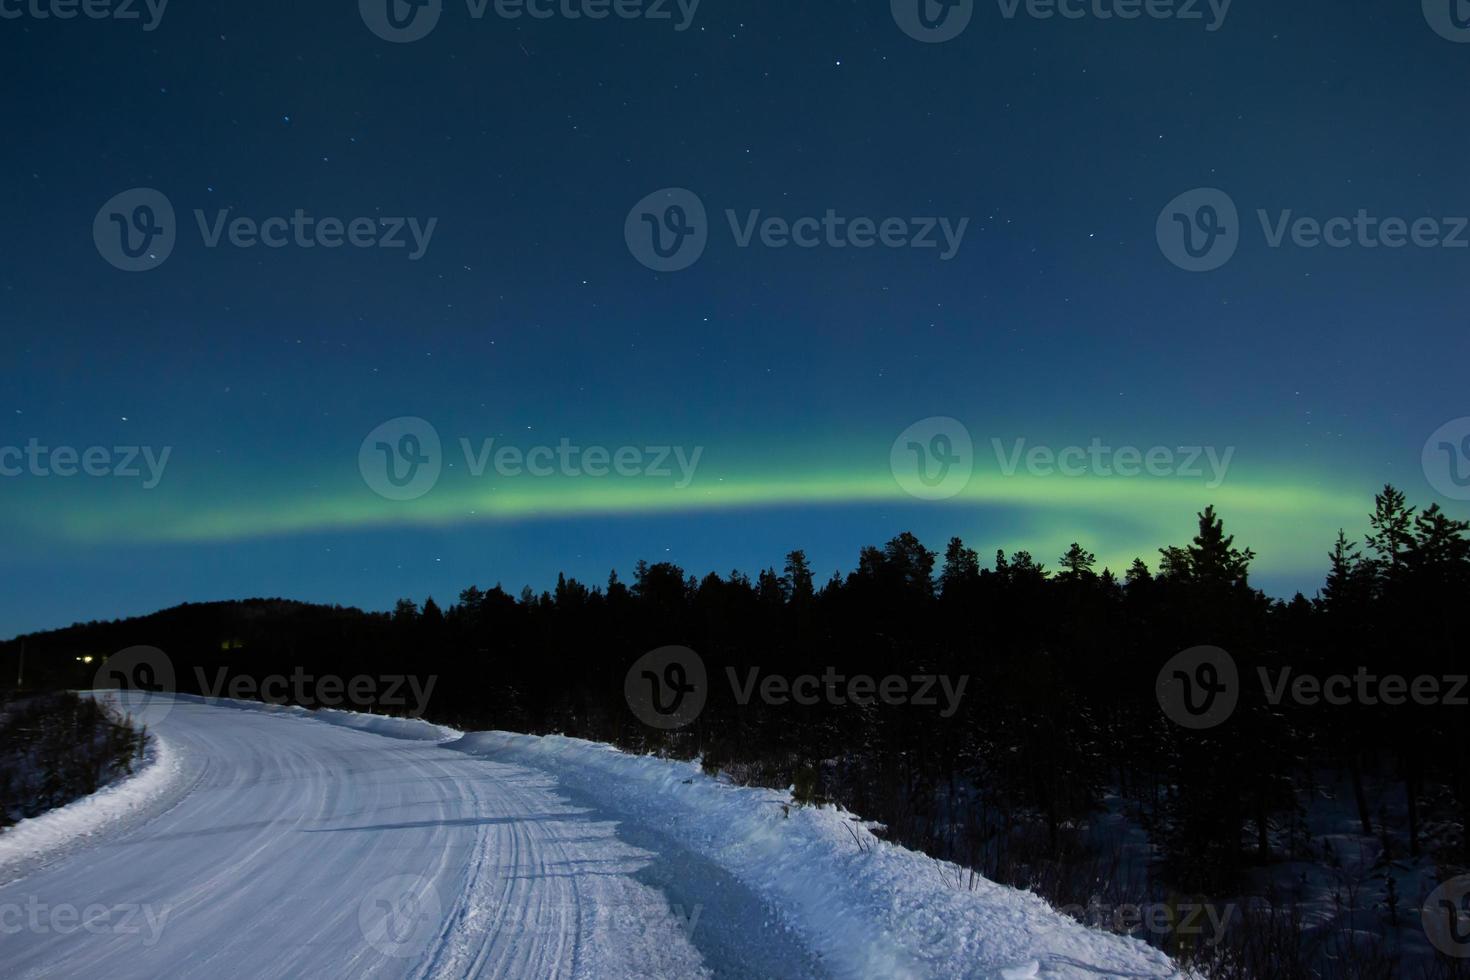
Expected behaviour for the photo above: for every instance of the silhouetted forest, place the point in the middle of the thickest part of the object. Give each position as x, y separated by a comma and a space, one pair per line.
1059, 718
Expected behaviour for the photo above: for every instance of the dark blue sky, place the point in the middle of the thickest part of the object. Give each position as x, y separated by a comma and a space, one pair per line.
1059, 319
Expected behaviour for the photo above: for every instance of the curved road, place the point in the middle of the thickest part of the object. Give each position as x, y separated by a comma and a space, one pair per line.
288, 847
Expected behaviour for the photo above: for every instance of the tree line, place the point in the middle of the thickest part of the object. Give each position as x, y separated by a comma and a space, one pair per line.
1060, 709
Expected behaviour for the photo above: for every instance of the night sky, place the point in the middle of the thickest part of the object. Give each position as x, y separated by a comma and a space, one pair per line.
525, 144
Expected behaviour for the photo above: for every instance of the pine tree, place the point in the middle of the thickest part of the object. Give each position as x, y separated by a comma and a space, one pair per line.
1077, 563
472, 600
1213, 557
961, 567
1138, 574
1392, 524
1174, 564
770, 589
912, 563
1350, 578
799, 578
1438, 543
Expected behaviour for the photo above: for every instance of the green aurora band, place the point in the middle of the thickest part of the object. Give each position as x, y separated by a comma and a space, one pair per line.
1290, 523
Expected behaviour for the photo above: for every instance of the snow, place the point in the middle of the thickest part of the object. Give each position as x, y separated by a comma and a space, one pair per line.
868, 907
33, 841
407, 728
279, 842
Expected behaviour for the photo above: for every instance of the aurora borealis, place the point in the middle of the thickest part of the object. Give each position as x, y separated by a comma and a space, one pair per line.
525, 319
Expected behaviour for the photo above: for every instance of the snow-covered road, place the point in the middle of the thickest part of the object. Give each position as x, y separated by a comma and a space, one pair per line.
291, 848
272, 844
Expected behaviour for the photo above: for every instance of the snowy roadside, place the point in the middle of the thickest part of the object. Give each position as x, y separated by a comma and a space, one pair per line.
868, 907
29, 843
413, 729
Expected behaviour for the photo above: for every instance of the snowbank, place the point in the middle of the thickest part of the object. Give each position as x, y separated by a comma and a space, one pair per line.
31, 841
868, 907
414, 729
